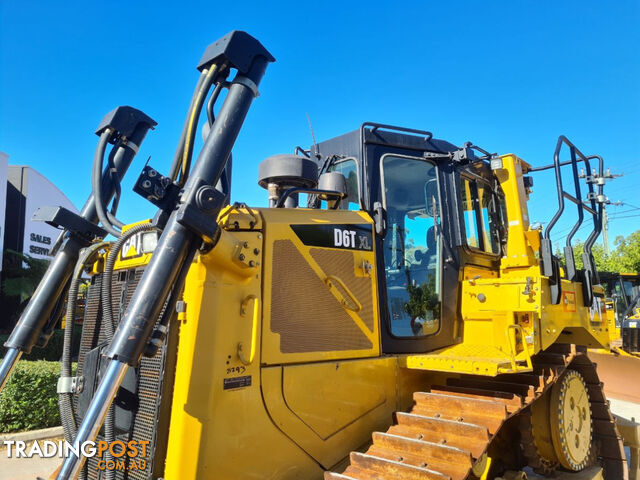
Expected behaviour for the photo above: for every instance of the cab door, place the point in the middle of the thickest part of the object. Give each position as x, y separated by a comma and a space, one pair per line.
419, 284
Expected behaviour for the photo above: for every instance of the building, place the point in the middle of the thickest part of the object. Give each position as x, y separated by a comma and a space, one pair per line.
26, 191
22, 191
4, 165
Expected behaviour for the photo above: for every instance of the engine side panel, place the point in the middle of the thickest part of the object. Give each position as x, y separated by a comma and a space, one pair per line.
219, 425
320, 289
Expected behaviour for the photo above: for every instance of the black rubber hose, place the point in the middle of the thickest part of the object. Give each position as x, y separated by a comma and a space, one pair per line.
192, 122
107, 307
177, 158
96, 183
64, 399
108, 322
211, 116
115, 181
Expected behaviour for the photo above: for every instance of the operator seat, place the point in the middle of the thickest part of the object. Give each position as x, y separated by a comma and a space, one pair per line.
427, 258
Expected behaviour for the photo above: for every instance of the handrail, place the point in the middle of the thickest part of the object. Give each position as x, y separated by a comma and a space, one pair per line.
512, 349
562, 140
375, 126
594, 207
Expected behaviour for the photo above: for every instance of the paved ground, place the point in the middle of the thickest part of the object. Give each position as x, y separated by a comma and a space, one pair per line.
625, 409
26, 468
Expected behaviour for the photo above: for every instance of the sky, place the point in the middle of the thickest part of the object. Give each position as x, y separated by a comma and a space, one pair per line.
510, 76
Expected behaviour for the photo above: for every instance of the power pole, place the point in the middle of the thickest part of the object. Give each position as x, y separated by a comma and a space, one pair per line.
605, 230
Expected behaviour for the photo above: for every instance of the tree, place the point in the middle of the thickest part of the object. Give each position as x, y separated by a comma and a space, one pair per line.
22, 274
625, 257
628, 252
422, 299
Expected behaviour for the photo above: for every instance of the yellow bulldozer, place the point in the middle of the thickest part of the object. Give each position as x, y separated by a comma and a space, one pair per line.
623, 290
392, 314
620, 364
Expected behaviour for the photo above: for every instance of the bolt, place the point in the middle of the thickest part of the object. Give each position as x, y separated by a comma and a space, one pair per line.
252, 263
245, 244
241, 257
152, 173
146, 184
256, 251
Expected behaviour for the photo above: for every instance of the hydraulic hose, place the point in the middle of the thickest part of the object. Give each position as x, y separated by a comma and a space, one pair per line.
107, 307
192, 122
108, 321
64, 398
177, 158
108, 217
96, 183
211, 117
115, 181
176, 246
41, 309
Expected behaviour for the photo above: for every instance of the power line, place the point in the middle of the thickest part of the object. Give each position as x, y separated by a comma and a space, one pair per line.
629, 205
625, 211
625, 216
579, 229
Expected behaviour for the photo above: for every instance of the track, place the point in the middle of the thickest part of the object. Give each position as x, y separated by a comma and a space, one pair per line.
452, 429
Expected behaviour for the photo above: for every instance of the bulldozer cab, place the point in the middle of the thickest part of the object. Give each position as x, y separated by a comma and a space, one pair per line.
622, 288
436, 207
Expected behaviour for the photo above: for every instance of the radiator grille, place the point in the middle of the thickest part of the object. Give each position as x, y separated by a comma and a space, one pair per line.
151, 375
303, 311
342, 264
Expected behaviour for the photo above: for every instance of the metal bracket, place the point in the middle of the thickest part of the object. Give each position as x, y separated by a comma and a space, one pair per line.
70, 385
200, 209
181, 306
158, 189
60, 217
250, 84
238, 49
123, 121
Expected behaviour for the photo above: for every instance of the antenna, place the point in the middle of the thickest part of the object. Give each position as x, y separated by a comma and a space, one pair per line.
313, 137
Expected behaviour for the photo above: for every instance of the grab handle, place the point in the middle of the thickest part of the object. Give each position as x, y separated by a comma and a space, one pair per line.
356, 304
254, 330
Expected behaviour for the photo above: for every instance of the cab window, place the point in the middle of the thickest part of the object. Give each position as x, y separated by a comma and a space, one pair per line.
349, 169
412, 245
483, 214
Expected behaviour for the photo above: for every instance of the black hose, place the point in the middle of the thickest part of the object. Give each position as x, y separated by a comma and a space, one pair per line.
108, 323
211, 116
115, 181
96, 183
66, 411
192, 122
107, 307
177, 158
